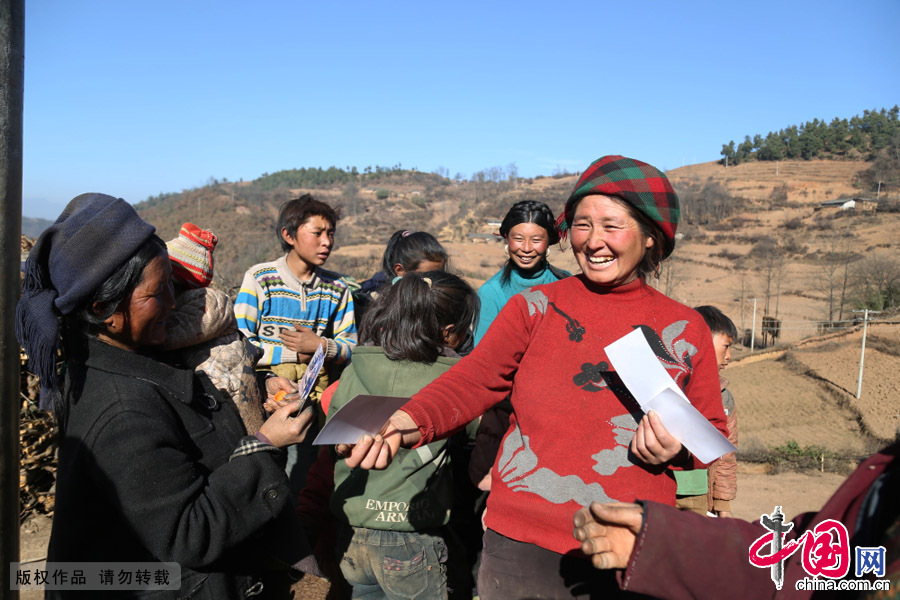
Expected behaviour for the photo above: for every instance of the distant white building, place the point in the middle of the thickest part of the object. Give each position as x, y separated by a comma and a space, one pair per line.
484, 238
848, 204
842, 203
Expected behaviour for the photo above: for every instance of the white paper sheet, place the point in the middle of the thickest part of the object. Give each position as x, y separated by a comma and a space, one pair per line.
362, 415
653, 388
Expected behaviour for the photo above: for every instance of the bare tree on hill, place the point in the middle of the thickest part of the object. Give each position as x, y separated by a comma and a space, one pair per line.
877, 282
512, 174
769, 259
832, 274
668, 275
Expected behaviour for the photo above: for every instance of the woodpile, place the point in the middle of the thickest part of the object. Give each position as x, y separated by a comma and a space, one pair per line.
38, 441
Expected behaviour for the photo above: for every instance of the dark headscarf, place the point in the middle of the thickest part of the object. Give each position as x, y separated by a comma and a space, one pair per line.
94, 236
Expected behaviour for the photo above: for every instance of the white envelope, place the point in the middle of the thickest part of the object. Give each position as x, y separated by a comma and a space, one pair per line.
362, 415
653, 388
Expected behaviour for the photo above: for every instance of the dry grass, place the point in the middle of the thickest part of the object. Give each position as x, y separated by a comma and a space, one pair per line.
807, 181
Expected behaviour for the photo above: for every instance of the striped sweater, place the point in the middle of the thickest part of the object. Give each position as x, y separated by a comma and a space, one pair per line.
272, 299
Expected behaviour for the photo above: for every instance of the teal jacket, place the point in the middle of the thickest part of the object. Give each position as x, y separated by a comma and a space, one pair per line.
416, 491
495, 293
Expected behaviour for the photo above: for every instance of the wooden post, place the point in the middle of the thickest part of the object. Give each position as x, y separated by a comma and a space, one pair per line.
753, 328
862, 352
12, 65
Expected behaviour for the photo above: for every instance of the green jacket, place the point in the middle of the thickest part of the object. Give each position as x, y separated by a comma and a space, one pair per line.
416, 491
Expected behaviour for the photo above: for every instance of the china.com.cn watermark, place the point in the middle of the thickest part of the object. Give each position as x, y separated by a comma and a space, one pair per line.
825, 556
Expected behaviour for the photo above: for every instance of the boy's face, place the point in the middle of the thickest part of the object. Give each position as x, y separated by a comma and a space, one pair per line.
314, 240
722, 343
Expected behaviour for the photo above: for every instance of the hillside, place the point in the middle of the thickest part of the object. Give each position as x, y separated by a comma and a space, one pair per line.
806, 181
243, 216
772, 234
32, 227
755, 230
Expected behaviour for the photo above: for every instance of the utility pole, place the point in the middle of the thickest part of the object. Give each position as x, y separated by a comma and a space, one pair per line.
753, 328
862, 352
12, 85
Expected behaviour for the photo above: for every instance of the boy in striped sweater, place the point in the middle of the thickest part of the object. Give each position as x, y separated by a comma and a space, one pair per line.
291, 306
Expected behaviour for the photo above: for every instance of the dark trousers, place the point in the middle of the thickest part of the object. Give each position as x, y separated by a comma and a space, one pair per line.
513, 570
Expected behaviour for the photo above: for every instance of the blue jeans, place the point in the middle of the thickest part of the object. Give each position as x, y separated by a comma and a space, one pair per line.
393, 565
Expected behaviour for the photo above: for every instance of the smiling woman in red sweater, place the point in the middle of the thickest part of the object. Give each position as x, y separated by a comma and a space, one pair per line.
576, 435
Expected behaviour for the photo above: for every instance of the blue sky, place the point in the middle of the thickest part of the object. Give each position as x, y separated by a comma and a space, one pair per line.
134, 98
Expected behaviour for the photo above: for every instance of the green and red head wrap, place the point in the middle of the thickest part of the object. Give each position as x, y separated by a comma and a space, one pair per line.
641, 185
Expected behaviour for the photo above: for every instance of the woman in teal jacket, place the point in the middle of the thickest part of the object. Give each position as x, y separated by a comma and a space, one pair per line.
529, 230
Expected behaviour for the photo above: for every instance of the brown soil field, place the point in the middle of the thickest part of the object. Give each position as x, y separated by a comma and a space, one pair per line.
813, 180
796, 492
808, 394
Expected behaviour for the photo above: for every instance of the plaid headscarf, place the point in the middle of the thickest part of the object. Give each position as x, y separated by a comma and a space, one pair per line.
643, 186
91, 239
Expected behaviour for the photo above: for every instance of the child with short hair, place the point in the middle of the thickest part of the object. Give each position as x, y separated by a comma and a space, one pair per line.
392, 536
291, 306
710, 491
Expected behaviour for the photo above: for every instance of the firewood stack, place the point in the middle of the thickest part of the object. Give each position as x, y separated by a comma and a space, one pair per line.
38, 442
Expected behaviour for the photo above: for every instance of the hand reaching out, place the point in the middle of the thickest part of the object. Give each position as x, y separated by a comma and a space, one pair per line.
607, 532
377, 452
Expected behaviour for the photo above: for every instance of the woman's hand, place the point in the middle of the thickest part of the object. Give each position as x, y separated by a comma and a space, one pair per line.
273, 386
607, 532
378, 452
652, 442
284, 430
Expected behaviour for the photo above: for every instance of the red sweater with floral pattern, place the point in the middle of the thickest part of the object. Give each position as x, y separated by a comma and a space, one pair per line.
568, 439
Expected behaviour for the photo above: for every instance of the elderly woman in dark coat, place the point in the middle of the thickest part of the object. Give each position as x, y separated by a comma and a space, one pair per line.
154, 462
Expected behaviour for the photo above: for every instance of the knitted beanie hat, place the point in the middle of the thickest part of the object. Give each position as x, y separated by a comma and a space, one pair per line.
191, 256
641, 185
90, 240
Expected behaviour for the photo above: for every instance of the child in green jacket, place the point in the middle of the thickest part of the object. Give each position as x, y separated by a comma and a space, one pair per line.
392, 539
